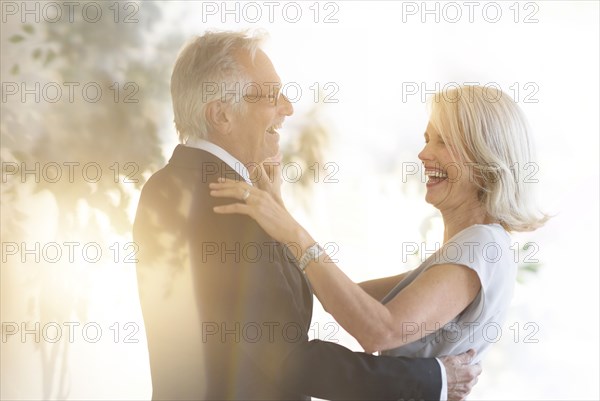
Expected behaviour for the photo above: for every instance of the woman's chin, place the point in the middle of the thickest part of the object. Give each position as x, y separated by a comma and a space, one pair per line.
432, 199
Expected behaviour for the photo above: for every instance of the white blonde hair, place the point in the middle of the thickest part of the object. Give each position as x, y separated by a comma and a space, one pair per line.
205, 66
487, 130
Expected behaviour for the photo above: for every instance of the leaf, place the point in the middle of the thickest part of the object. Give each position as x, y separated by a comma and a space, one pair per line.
16, 38
50, 55
28, 28
15, 69
20, 155
37, 53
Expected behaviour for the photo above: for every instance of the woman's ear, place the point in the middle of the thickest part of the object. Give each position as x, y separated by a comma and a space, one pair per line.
218, 115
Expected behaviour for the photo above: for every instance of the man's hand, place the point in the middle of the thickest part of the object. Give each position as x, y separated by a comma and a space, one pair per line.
460, 374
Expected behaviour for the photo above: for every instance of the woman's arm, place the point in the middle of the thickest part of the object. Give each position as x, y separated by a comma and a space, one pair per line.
380, 287
429, 302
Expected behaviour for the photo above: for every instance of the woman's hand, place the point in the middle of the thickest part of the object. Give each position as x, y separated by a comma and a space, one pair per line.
262, 206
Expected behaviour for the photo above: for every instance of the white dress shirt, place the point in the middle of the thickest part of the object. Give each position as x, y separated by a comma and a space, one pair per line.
222, 154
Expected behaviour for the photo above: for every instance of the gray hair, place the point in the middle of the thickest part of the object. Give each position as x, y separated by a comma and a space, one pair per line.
487, 129
207, 70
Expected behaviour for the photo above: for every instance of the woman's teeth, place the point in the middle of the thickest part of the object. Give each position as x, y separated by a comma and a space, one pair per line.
436, 176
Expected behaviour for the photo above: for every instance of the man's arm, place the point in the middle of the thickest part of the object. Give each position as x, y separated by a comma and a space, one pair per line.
308, 370
330, 371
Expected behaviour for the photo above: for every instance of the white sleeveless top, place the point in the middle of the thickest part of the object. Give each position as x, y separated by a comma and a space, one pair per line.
486, 250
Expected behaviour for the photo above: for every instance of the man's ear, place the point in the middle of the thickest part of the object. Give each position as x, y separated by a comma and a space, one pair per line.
218, 115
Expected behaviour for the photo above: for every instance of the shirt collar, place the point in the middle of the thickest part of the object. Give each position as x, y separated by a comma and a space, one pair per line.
222, 154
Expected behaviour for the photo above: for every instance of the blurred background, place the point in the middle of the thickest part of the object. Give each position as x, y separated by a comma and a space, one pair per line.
86, 118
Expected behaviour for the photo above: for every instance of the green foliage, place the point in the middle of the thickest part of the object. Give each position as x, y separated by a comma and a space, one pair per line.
306, 150
528, 266
16, 38
122, 127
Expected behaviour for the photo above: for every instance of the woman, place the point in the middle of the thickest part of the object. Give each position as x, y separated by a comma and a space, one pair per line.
475, 142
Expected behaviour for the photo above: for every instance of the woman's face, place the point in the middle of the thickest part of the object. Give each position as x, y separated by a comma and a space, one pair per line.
450, 184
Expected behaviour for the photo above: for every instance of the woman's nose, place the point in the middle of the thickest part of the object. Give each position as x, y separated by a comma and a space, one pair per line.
424, 154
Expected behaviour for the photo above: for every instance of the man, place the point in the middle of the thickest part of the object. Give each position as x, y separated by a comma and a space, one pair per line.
226, 309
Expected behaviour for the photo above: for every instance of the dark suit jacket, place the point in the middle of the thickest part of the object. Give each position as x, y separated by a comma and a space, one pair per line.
227, 311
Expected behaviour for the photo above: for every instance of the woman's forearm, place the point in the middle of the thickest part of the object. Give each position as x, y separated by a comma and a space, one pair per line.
364, 317
380, 287
447, 288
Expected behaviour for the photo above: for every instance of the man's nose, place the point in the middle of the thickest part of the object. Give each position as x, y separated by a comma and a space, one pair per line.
285, 106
